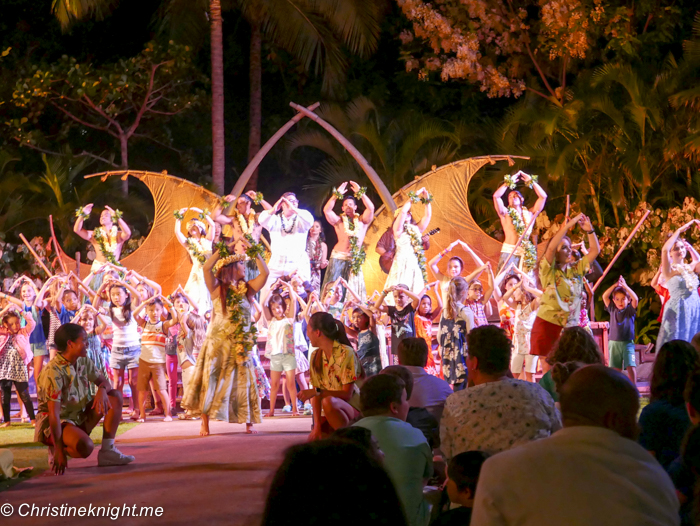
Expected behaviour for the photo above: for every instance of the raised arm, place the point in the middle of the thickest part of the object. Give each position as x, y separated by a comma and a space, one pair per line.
400, 219
501, 209
193, 304
12, 300
328, 212
607, 293
78, 226
124, 230
178, 228
559, 236
258, 282
143, 279
415, 299
427, 215
253, 195
379, 305
541, 194
634, 299
355, 297
438, 297
488, 289
81, 287
173, 313
594, 249
368, 215
433, 263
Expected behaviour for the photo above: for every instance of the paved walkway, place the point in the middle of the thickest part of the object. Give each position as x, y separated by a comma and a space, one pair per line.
220, 479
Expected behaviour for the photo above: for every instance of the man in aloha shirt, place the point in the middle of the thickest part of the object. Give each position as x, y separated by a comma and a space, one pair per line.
68, 412
495, 412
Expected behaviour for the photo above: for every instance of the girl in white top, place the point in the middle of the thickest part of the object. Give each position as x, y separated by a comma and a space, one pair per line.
126, 341
279, 314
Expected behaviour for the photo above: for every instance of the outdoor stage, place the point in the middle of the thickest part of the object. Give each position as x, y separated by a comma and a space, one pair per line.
220, 479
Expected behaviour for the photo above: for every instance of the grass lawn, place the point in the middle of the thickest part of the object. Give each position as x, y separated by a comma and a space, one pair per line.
19, 438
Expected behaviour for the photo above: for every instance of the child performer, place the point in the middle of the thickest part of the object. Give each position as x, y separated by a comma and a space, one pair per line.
560, 305
425, 317
317, 250
152, 358
261, 379
401, 314
504, 282
37, 341
364, 330
622, 310
198, 244
478, 298
455, 266
456, 322
94, 324
182, 346
15, 354
525, 299
126, 346
279, 314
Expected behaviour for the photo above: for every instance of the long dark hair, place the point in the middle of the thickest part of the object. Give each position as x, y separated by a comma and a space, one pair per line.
675, 362
126, 308
330, 328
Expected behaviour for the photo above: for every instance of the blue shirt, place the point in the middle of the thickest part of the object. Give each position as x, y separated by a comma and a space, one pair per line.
37, 335
621, 323
65, 315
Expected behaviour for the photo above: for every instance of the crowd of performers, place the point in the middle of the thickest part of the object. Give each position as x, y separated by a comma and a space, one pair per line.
116, 326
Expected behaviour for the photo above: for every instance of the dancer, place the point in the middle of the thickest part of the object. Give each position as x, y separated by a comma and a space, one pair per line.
317, 250
425, 317
348, 255
504, 283
515, 218
261, 379
198, 244
68, 413
94, 324
15, 354
456, 322
622, 310
455, 267
29, 294
681, 319
401, 314
408, 267
107, 239
478, 299
560, 304
223, 387
288, 227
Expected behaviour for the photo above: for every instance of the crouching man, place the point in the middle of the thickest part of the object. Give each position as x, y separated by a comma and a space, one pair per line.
67, 410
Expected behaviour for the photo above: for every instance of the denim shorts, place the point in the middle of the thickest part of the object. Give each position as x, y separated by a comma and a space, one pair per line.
39, 349
125, 357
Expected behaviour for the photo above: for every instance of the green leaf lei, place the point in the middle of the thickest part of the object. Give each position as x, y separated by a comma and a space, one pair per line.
510, 181
97, 236
178, 215
417, 243
361, 192
204, 214
199, 256
80, 212
117, 215
244, 333
223, 249
255, 249
357, 256
337, 193
425, 200
223, 203
258, 198
530, 259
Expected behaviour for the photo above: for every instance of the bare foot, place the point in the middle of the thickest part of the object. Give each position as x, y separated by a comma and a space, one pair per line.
270, 414
204, 429
250, 430
6, 424
295, 413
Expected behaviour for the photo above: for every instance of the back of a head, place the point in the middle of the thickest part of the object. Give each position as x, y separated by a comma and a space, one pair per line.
691, 393
675, 362
456, 292
491, 347
464, 469
360, 436
413, 352
404, 374
695, 341
379, 392
576, 345
366, 496
594, 394
561, 372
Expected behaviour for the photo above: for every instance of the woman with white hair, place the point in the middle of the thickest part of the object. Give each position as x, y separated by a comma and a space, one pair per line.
198, 244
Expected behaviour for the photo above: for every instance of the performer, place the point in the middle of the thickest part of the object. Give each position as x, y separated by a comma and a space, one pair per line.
348, 255
224, 385
107, 239
515, 218
288, 227
409, 266
317, 250
198, 244
681, 317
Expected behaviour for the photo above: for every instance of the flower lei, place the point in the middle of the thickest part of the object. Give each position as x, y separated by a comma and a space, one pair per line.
107, 251
196, 249
242, 337
247, 225
178, 215
417, 243
425, 200
530, 258
80, 212
357, 250
690, 277
511, 181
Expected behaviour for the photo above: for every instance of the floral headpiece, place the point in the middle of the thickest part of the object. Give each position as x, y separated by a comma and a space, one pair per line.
198, 224
235, 258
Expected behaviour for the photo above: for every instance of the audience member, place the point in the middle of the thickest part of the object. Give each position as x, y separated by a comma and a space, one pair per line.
665, 421
407, 455
495, 412
574, 345
590, 472
428, 391
362, 437
362, 493
462, 476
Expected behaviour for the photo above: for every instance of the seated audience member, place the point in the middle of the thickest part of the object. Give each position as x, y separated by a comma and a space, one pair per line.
362, 437
363, 495
428, 391
418, 417
407, 455
664, 421
462, 476
591, 472
574, 345
67, 410
495, 412
561, 372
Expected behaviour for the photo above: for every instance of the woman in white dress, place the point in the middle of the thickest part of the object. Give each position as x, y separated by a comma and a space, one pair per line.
409, 266
198, 244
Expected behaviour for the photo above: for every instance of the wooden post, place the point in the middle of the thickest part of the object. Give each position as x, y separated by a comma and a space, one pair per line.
36, 256
56, 247
77, 264
622, 248
568, 209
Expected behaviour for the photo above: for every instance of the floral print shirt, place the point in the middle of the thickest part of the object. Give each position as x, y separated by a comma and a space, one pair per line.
340, 369
496, 416
560, 303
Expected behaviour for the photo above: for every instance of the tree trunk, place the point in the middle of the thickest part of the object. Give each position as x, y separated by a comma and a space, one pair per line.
217, 95
596, 205
124, 146
255, 133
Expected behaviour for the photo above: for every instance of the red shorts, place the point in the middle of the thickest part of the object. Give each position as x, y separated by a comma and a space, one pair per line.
543, 337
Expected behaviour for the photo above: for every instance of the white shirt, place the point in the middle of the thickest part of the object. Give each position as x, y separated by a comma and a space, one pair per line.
580, 476
288, 248
496, 416
428, 390
124, 335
